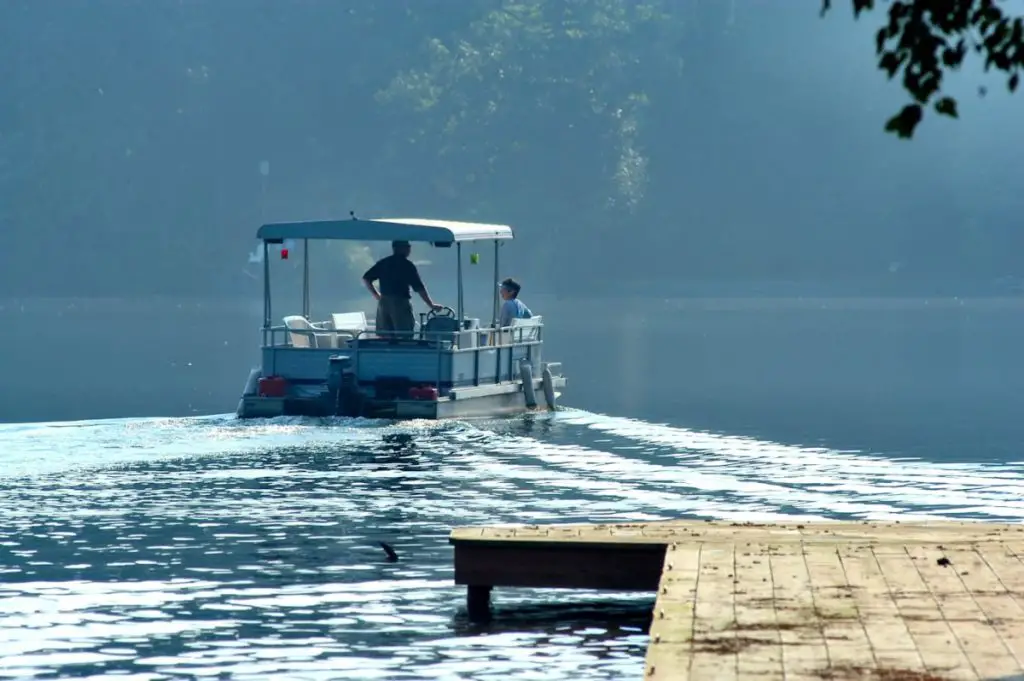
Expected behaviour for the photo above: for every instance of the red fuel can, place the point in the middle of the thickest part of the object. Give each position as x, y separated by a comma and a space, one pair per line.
273, 386
423, 393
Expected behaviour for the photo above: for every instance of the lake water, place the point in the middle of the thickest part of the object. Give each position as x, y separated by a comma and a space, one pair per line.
190, 545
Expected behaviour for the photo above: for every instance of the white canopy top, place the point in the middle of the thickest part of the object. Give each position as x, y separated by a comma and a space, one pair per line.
385, 229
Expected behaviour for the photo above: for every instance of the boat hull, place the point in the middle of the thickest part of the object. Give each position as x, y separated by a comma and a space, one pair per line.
478, 406
500, 399
494, 405
378, 378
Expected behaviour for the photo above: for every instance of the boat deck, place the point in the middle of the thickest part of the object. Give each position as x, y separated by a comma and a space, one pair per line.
808, 601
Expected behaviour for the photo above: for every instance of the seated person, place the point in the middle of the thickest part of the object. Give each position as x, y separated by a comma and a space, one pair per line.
512, 308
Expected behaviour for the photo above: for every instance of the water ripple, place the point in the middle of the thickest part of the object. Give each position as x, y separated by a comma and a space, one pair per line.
169, 548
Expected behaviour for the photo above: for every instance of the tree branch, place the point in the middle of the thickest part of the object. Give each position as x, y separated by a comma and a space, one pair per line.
924, 39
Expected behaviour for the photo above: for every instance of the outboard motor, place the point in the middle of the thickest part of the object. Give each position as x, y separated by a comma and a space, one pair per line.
342, 390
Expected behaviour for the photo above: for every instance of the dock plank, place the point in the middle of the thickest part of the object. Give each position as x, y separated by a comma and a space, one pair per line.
893, 601
827, 532
845, 633
919, 608
803, 644
714, 636
891, 640
978, 638
756, 619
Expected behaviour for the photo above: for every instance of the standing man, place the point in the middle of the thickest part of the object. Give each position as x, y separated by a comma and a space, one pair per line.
397, 274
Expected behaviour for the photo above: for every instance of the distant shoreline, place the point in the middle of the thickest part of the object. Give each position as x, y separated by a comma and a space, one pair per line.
254, 304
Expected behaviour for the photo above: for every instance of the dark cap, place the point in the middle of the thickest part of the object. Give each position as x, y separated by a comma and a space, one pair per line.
400, 245
512, 285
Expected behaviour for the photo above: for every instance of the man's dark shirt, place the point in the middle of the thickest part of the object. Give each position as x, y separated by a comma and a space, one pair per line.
397, 275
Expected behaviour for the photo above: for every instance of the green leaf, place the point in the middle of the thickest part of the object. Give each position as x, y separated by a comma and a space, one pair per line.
947, 107
903, 123
1014, 81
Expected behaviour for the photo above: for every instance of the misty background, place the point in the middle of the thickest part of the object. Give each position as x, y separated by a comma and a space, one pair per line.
646, 152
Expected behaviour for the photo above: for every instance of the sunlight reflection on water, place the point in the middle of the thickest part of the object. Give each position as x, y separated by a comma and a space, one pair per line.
159, 548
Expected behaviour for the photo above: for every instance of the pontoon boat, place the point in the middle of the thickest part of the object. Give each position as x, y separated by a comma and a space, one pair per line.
448, 367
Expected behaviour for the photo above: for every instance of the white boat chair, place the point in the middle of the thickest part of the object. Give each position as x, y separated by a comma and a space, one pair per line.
520, 331
303, 334
524, 330
350, 323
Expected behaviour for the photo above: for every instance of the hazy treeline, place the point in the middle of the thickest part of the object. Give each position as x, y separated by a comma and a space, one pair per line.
626, 140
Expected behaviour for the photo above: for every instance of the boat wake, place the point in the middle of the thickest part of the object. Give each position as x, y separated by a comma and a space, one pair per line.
566, 466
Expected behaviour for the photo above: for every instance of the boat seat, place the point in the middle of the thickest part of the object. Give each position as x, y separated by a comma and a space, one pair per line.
350, 322
303, 334
526, 329
520, 331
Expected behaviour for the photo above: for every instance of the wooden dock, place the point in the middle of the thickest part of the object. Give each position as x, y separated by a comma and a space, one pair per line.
810, 601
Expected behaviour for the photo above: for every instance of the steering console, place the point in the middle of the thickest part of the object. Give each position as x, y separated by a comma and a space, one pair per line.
444, 313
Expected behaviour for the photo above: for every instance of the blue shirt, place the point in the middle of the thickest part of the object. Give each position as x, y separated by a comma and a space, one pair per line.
513, 309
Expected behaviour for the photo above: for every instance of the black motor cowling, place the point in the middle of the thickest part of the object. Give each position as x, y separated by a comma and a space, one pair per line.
342, 388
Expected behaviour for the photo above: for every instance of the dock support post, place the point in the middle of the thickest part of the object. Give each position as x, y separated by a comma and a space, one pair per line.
478, 602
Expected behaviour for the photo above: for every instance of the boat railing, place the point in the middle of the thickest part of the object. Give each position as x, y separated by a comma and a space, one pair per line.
509, 344
320, 335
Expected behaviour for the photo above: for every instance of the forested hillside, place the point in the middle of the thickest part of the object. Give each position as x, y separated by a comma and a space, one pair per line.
627, 140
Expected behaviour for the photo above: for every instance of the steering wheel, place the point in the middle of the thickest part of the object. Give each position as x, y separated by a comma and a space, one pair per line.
445, 311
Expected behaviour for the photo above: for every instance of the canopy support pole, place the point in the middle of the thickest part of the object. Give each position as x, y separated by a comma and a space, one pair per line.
497, 273
458, 253
266, 286
305, 278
